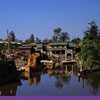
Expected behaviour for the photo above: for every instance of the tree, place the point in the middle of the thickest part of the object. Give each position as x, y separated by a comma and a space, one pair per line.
57, 33
46, 41
31, 39
27, 40
38, 40
76, 40
90, 47
54, 38
1, 39
12, 36
64, 37
92, 32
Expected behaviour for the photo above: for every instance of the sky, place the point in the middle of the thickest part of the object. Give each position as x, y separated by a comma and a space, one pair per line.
41, 17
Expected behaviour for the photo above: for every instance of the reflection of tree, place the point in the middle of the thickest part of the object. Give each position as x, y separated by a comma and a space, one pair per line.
94, 81
59, 84
10, 89
61, 78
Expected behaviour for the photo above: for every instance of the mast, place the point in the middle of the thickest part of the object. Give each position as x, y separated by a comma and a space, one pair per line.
8, 51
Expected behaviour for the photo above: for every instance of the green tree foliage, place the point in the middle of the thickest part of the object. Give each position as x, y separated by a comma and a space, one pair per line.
1, 39
60, 36
54, 38
30, 40
12, 36
76, 40
90, 47
38, 40
92, 32
64, 37
57, 33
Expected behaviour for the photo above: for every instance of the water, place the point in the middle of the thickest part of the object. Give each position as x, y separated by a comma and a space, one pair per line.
54, 83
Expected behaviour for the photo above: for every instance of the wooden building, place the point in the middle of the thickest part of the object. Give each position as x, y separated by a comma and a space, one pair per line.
65, 51
26, 49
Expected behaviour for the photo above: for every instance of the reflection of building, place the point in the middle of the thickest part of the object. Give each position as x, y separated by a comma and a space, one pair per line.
33, 78
10, 89
61, 77
62, 50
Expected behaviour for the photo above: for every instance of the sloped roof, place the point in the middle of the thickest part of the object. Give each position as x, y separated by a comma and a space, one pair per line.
59, 44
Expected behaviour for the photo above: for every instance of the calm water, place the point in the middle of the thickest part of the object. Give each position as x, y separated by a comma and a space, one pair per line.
54, 83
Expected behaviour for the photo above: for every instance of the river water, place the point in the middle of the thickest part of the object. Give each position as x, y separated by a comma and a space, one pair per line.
59, 82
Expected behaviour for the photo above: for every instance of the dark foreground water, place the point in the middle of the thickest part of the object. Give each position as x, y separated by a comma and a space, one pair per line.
54, 83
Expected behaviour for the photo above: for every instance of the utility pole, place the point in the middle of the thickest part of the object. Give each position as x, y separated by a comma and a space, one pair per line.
8, 51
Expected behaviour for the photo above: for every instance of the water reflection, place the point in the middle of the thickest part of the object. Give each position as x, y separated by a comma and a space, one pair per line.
93, 80
62, 81
10, 89
79, 79
62, 75
33, 78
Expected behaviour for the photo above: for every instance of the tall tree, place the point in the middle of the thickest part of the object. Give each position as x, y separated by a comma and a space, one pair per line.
64, 37
12, 36
90, 46
31, 39
57, 33
92, 31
